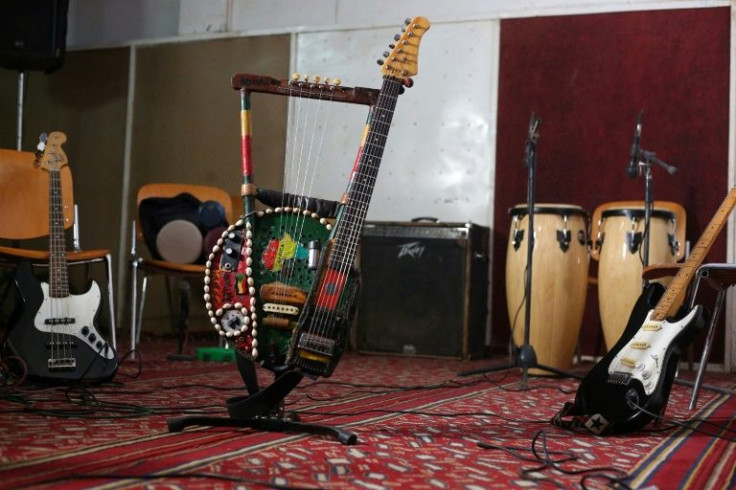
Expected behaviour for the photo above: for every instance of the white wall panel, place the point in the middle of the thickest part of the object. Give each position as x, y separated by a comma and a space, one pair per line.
439, 157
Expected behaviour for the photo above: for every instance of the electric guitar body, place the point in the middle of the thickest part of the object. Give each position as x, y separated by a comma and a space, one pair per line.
48, 356
617, 396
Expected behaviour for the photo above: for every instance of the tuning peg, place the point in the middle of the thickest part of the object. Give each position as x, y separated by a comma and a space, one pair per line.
380, 62
392, 46
397, 37
407, 21
385, 54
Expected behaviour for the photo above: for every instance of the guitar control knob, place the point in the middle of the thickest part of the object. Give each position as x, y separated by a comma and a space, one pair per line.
85, 331
646, 374
92, 337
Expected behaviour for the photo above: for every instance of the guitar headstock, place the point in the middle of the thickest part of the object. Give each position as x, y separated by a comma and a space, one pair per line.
53, 157
401, 62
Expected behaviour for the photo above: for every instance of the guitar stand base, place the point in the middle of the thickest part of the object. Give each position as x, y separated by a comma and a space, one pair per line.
262, 409
265, 424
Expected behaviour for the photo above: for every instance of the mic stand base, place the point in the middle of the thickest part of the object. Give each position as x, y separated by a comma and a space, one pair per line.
526, 359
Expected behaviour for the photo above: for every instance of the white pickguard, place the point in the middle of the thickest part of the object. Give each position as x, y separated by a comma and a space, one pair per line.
642, 357
81, 309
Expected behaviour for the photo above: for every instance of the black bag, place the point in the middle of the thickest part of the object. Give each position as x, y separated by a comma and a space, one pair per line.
179, 213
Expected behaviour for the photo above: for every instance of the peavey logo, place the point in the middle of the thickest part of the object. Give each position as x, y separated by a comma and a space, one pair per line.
413, 250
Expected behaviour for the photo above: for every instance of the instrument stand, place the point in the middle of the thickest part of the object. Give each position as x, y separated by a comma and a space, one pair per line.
263, 409
526, 358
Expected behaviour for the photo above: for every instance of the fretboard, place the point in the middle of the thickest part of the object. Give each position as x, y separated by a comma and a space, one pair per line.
672, 298
58, 276
360, 190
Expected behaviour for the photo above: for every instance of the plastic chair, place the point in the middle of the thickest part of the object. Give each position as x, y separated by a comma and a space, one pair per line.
25, 206
150, 266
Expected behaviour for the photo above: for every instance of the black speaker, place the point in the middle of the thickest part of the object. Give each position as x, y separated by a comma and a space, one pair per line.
33, 34
424, 289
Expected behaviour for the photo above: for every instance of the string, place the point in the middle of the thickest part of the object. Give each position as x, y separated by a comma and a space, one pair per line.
305, 174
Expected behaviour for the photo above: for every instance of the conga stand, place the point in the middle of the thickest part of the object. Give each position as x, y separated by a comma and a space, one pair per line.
263, 409
526, 358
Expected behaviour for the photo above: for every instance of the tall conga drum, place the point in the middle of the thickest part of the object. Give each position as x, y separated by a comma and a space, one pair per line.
559, 280
617, 229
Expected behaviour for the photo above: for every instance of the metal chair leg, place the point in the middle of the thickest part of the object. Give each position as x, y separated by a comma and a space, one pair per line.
706, 348
111, 302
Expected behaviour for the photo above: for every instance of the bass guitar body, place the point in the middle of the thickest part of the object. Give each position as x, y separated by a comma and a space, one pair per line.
56, 340
258, 281
631, 384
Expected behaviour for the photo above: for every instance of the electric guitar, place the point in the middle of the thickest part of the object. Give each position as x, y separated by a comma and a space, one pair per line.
280, 283
631, 384
55, 333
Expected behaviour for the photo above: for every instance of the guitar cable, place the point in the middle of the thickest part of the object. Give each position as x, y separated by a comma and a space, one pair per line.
689, 424
612, 475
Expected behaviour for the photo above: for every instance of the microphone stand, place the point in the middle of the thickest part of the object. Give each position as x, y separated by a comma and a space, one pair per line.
645, 159
526, 357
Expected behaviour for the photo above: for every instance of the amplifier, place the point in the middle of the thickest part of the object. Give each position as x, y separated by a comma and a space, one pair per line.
424, 289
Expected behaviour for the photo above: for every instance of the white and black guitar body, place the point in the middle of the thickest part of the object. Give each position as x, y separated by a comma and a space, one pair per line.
55, 340
633, 380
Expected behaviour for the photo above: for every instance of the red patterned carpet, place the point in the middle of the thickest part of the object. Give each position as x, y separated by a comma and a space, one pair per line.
418, 425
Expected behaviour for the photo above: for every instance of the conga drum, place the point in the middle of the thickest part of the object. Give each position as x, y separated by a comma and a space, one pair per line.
559, 280
618, 232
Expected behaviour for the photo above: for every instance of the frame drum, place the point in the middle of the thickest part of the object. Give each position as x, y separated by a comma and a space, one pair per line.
618, 229
559, 280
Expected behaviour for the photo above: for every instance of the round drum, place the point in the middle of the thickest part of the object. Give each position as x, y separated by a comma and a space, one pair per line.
559, 280
618, 231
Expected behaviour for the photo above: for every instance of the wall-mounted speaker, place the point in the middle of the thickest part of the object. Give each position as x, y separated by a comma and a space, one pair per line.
424, 289
33, 34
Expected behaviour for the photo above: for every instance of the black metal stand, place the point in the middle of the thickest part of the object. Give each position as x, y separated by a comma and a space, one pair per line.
641, 164
526, 358
263, 409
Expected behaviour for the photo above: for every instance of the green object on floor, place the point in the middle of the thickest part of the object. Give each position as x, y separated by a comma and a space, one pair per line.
217, 354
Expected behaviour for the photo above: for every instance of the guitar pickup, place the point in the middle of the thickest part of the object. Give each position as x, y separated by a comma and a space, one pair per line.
59, 321
280, 308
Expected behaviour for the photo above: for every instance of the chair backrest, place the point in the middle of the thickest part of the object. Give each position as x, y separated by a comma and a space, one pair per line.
24, 196
201, 192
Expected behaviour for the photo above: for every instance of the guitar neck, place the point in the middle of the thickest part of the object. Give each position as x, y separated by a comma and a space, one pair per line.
360, 189
672, 298
58, 276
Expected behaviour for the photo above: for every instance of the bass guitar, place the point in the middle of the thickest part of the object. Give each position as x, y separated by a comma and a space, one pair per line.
280, 283
631, 384
55, 333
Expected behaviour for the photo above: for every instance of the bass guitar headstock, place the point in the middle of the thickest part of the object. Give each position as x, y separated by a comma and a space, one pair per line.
53, 157
401, 61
